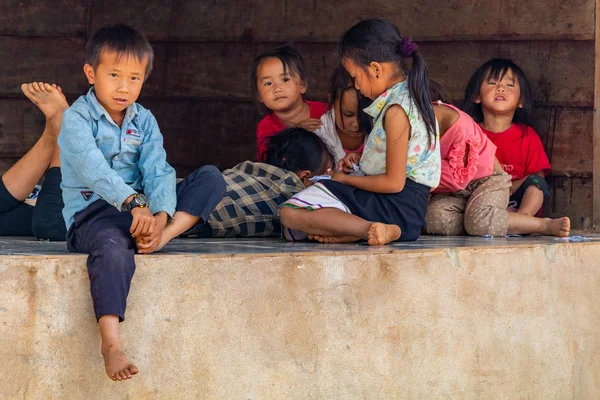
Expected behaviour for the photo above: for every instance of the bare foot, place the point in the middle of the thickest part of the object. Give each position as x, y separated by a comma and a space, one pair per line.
49, 98
560, 227
333, 239
118, 367
380, 234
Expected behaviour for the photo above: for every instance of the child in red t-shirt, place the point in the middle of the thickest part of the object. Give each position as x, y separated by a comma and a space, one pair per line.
499, 98
280, 83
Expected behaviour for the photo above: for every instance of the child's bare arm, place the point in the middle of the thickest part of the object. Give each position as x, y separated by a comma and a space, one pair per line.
397, 128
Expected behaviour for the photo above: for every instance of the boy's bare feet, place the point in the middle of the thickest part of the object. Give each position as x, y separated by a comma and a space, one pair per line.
48, 98
380, 234
333, 239
560, 227
118, 367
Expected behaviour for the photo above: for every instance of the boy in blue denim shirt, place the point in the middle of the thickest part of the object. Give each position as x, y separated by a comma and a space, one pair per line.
117, 185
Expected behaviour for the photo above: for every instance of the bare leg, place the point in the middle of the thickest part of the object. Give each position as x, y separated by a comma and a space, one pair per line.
116, 362
532, 201
334, 223
523, 224
25, 174
180, 223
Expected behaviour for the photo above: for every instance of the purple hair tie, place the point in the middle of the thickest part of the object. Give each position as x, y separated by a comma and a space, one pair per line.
407, 47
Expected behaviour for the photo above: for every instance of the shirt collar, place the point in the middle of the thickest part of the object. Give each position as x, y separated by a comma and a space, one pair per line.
98, 111
379, 103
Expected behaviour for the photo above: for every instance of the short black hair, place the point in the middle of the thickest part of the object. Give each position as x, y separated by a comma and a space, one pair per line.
296, 149
123, 40
496, 68
293, 64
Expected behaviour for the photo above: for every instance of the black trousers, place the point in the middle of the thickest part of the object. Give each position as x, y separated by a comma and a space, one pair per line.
45, 220
102, 231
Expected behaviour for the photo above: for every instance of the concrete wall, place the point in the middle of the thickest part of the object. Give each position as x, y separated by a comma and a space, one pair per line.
503, 323
201, 93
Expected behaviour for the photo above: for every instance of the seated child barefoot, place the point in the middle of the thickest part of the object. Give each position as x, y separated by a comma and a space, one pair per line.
473, 194
280, 83
244, 200
111, 150
499, 98
17, 216
344, 126
401, 158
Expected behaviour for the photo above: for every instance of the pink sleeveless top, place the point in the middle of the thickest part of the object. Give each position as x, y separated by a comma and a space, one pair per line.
464, 133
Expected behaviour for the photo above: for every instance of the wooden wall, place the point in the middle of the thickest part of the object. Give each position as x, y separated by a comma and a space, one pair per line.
201, 94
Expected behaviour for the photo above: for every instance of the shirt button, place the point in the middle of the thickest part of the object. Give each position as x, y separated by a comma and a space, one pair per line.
116, 158
115, 204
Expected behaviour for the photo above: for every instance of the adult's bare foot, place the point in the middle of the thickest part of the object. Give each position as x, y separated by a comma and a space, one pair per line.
48, 98
380, 234
334, 239
560, 227
118, 367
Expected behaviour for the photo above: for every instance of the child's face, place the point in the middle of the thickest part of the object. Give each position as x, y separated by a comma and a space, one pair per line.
276, 90
500, 96
364, 81
117, 83
347, 120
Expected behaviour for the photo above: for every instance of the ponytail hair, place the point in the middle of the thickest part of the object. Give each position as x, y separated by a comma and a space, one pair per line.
296, 149
380, 41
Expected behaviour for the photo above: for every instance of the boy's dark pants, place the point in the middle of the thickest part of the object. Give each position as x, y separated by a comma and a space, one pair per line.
103, 232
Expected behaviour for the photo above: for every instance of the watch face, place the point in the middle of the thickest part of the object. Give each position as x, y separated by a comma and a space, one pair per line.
142, 200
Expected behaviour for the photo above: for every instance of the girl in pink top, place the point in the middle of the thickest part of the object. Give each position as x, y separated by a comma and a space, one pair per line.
474, 189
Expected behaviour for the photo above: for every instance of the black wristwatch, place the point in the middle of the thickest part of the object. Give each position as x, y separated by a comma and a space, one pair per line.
139, 200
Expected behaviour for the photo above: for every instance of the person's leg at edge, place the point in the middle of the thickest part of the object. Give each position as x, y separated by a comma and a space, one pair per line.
25, 173
333, 223
533, 199
116, 362
197, 196
519, 224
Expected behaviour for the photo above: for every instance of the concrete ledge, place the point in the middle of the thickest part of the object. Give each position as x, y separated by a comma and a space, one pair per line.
467, 323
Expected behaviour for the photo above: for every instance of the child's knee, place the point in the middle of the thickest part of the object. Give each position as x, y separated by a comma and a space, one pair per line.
442, 222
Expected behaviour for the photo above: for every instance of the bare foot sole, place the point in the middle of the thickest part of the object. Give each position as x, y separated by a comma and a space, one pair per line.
118, 367
560, 227
49, 98
334, 239
380, 234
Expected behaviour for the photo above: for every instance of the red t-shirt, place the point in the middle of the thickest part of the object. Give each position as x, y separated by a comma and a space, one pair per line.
271, 124
520, 151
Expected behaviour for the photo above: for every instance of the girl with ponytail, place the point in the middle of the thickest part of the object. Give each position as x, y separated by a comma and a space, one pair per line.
401, 158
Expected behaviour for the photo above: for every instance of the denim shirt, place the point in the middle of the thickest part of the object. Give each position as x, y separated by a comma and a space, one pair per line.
99, 160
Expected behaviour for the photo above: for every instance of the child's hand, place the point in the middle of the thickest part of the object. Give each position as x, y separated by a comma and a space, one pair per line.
148, 244
143, 222
346, 163
310, 124
336, 175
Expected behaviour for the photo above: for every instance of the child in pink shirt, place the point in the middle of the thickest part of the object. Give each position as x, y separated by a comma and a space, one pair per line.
474, 189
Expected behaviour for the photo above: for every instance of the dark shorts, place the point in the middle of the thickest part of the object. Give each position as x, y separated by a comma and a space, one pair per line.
406, 209
45, 220
532, 180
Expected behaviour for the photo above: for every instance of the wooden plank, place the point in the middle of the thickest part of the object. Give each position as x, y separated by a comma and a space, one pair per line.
21, 124
325, 21
568, 141
43, 18
149, 16
199, 133
58, 60
571, 197
596, 129
560, 73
